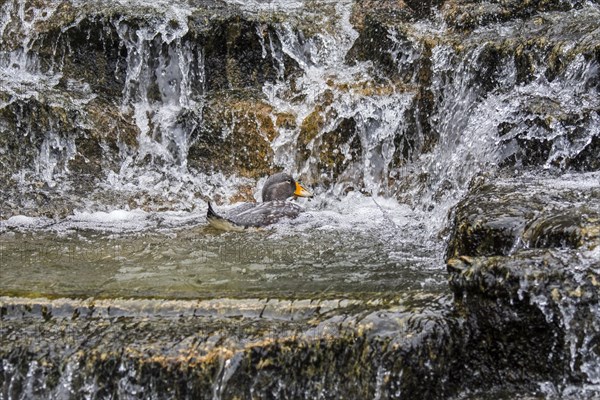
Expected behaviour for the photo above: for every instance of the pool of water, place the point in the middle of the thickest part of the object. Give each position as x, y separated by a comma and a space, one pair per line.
360, 247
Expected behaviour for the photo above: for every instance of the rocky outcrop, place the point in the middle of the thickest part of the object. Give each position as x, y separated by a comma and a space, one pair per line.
194, 350
503, 217
523, 264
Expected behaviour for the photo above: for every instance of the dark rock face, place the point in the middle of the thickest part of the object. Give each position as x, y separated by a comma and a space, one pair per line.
523, 257
197, 356
89, 51
508, 344
503, 218
239, 54
538, 292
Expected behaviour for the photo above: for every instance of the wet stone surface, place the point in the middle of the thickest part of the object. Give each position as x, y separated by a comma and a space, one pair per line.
191, 351
524, 257
505, 216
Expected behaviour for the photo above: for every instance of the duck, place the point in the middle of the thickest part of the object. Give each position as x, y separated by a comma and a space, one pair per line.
274, 206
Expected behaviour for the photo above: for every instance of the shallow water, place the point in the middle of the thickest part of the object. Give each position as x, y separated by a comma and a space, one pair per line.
357, 248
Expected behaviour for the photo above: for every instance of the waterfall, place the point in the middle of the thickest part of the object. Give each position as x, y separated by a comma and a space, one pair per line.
350, 125
346, 120
120, 120
159, 60
158, 89
24, 78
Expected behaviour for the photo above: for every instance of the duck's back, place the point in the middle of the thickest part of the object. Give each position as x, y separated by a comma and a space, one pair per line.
253, 215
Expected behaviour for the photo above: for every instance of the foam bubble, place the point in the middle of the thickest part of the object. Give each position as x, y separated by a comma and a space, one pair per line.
109, 217
24, 221
113, 221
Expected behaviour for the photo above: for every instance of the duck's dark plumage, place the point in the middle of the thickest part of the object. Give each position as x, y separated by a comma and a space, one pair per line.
274, 207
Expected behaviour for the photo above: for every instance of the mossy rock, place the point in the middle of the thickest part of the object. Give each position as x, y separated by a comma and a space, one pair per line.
285, 121
234, 135
388, 13
338, 149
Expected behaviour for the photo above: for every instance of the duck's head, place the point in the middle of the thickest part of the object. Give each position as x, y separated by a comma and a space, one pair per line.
282, 186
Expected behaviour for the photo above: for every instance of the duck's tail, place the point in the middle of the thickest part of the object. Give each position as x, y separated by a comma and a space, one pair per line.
220, 222
211, 214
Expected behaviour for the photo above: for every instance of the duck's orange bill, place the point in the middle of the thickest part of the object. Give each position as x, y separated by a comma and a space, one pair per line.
301, 192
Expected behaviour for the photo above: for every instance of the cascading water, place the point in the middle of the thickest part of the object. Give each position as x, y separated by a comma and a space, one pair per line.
158, 88
24, 78
337, 99
119, 121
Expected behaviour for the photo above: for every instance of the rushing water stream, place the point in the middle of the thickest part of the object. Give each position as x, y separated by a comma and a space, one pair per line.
120, 119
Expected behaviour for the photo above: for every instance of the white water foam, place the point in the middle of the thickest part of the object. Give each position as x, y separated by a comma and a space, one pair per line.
352, 95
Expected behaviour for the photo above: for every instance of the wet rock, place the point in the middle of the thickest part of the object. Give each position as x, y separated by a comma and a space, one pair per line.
234, 134
239, 54
503, 217
423, 9
377, 353
523, 257
374, 31
329, 143
365, 12
552, 294
54, 16
338, 149
236, 51
546, 131
87, 51
50, 141
470, 14
402, 59
534, 135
